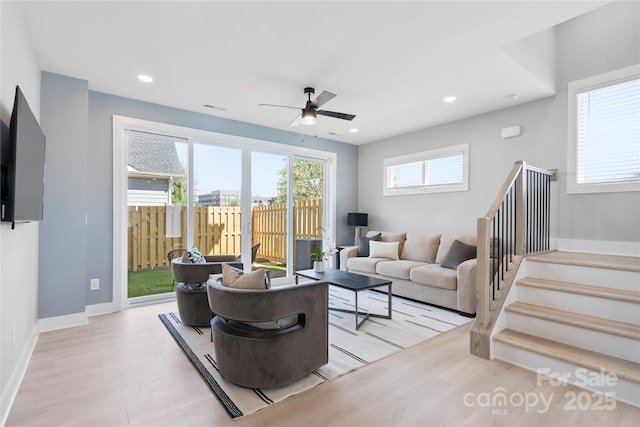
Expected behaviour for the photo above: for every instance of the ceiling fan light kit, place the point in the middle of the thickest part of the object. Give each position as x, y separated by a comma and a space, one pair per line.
310, 111
309, 116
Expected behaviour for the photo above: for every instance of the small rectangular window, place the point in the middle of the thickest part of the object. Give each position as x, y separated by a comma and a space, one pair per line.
440, 170
604, 133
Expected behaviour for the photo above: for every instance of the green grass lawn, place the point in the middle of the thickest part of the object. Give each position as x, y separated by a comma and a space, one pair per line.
159, 280
149, 282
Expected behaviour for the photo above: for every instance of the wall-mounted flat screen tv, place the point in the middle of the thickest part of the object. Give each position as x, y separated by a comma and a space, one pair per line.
22, 166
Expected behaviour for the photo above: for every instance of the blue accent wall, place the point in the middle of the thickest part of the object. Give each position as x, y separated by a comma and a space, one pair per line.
76, 238
63, 233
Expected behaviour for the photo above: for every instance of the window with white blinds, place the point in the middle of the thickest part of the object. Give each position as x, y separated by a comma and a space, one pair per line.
440, 170
604, 133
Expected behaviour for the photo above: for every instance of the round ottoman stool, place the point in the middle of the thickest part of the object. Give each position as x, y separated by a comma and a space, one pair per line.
193, 305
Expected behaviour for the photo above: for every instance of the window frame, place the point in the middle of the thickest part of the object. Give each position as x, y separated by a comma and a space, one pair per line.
573, 89
437, 153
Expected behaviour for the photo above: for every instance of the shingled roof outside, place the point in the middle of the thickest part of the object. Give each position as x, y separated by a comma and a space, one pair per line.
153, 156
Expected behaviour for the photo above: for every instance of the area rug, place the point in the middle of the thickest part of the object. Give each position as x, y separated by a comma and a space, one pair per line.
411, 323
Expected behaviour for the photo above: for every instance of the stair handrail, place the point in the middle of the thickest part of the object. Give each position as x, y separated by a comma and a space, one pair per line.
516, 224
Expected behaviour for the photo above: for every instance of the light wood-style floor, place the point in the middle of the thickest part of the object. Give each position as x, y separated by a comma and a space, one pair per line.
124, 369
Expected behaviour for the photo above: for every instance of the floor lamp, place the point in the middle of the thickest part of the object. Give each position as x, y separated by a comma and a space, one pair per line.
357, 220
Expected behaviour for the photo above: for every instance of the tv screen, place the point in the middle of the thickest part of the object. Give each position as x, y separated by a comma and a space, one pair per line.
23, 153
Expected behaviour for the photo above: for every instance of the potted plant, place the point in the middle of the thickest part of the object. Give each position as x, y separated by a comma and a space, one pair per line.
318, 256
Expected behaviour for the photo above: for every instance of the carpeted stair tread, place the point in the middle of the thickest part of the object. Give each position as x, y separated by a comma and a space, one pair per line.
588, 290
578, 356
576, 319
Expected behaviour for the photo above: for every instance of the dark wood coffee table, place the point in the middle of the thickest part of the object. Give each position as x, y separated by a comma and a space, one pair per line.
353, 282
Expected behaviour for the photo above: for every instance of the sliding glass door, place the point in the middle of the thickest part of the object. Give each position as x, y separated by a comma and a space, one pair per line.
156, 200
287, 211
307, 189
216, 198
266, 204
269, 201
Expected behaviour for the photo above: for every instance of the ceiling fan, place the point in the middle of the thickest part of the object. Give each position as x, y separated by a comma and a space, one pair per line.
310, 111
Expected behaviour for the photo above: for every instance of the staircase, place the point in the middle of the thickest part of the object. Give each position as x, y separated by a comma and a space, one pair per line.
577, 317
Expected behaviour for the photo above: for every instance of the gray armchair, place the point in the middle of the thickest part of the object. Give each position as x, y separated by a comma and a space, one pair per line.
191, 295
191, 273
293, 347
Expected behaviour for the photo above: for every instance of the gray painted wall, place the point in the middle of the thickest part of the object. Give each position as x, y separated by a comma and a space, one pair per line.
600, 41
63, 233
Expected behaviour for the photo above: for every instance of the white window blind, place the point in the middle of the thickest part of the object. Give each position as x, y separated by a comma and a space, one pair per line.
608, 133
438, 170
603, 146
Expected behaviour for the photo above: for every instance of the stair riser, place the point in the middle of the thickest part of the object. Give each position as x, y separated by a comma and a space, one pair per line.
623, 391
621, 311
612, 345
616, 279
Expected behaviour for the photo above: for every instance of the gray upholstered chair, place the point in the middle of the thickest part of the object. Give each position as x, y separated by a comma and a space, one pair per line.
191, 294
174, 253
252, 356
187, 272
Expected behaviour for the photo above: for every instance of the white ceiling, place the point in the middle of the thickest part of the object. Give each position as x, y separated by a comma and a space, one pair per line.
390, 63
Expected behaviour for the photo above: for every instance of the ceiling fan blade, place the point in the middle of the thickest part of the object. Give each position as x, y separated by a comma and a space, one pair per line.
297, 121
323, 98
277, 105
342, 116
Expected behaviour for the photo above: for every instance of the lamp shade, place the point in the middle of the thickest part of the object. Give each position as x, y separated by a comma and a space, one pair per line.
357, 219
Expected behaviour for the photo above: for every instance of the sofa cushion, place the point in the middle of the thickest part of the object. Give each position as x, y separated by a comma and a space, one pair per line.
458, 253
394, 237
363, 243
446, 240
387, 250
435, 276
363, 264
421, 247
397, 269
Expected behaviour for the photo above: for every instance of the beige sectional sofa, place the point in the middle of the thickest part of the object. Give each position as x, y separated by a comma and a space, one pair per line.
417, 272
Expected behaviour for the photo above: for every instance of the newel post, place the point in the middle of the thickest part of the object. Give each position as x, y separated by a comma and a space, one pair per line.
482, 272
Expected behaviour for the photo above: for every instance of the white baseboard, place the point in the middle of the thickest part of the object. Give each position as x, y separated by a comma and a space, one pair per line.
597, 246
100, 309
62, 322
15, 380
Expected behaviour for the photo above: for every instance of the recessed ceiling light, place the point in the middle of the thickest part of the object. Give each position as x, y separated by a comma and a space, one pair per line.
145, 78
354, 130
449, 99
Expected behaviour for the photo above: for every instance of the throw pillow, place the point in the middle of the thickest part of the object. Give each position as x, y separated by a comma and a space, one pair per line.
363, 243
193, 256
235, 278
458, 253
421, 247
395, 237
384, 250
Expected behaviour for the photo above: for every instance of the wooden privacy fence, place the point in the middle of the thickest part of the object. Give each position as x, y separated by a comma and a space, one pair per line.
269, 225
155, 230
